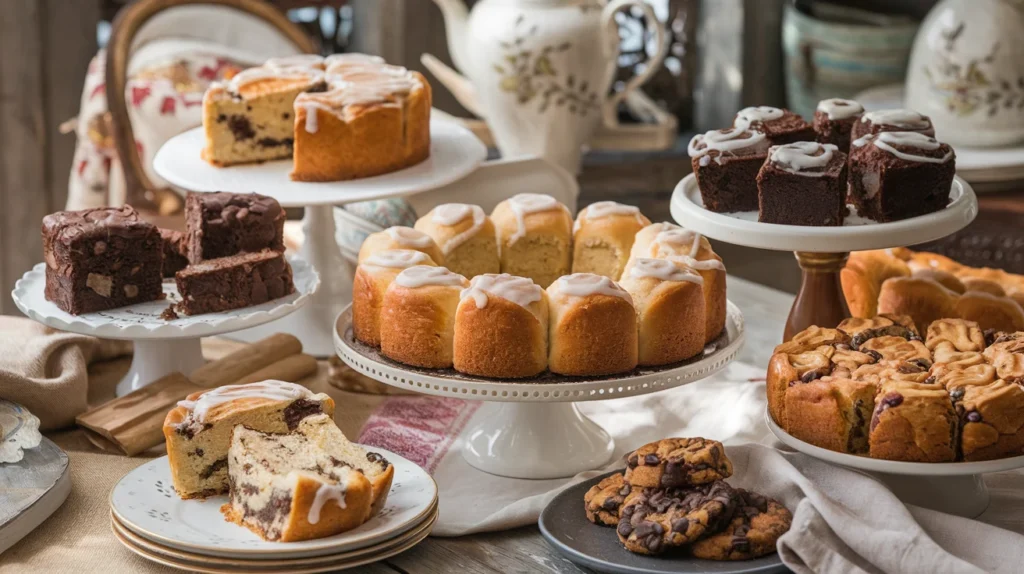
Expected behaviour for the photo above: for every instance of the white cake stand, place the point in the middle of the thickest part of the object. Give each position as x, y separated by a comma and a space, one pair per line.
531, 428
454, 153
951, 487
160, 347
821, 251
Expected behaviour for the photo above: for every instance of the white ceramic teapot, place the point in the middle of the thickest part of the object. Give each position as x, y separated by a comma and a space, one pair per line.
540, 71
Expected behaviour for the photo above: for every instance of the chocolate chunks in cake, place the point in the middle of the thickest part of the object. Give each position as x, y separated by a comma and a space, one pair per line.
834, 120
234, 282
778, 125
175, 250
222, 224
898, 175
891, 121
803, 183
101, 258
726, 163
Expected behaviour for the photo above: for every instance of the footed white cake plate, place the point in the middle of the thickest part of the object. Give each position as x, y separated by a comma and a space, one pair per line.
531, 428
951, 487
161, 347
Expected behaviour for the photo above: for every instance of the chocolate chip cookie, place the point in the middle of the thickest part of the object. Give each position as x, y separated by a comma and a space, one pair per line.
756, 526
677, 462
603, 500
654, 520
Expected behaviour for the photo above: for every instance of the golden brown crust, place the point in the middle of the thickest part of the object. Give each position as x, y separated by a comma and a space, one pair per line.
544, 251
923, 300
602, 246
785, 369
382, 241
862, 279
993, 420
593, 335
476, 255
671, 319
812, 338
417, 326
913, 423
961, 334
991, 311
833, 413
501, 340
944, 278
677, 463
367, 298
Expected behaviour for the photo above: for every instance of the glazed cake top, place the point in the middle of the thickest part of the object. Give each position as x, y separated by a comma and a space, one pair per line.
913, 147
840, 109
808, 159
720, 145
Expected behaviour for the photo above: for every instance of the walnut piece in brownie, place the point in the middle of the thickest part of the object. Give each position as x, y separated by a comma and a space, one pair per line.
725, 163
781, 126
222, 224
677, 462
898, 175
834, 120
895, 120
803, 183
756, 527
175, 251
234, 282
101, 258
654, 520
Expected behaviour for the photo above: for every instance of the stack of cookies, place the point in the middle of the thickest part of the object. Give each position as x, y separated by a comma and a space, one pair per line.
673, 497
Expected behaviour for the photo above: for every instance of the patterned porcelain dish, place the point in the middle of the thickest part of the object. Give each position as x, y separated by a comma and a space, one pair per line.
19, 430
144, 502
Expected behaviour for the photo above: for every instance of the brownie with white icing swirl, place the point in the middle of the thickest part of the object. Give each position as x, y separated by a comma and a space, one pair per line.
834, 119
779, 125
726, 163
803, 183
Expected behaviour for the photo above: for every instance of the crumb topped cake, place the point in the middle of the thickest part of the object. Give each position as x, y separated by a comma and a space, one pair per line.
297, 486
198, 430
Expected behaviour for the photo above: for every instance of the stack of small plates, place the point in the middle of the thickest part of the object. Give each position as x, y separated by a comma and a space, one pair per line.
150, 520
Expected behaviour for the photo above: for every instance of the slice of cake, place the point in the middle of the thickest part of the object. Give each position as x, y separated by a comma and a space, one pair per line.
198, 430
725, 163
101, 258
234, 282
289, 487
803, 183
222, 224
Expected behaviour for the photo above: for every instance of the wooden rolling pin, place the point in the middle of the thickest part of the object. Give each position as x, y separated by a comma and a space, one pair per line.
134, 422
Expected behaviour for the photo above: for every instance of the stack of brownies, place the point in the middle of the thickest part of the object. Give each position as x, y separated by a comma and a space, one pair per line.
886, 163
231, 255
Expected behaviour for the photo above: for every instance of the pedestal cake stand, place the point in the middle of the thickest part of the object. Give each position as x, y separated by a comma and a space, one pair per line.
951, 487
821, 251
161, 346
531, 428
454, 153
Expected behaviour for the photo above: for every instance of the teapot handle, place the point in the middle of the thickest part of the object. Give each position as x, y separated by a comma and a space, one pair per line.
610, 29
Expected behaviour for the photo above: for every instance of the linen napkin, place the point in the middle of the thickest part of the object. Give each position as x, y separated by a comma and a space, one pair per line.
844, 521
46, 370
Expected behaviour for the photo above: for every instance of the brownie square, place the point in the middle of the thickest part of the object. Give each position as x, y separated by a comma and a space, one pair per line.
726, 163
234, 282
803, 183
892, 121
897, 175
101, 258
222, 224
779, 125
175, 251
833, 121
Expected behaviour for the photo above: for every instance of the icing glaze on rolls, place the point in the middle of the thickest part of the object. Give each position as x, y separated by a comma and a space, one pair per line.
314, 61
726, 141
253, 75
396, 258
453, 214
904, 119
325, 492
338, 62
357, 80
603, 209
426, 276
664, 270
585, 284
917, 140
409, 237
518, 290
800, 157
527, 203
675, 235
748, 116
272, 390
840, 109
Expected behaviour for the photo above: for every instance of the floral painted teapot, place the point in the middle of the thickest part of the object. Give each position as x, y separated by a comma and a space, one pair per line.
540, 71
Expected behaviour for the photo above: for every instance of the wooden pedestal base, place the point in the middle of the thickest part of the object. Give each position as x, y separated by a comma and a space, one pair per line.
820, 300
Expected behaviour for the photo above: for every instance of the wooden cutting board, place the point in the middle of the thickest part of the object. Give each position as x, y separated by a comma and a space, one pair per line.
31, 490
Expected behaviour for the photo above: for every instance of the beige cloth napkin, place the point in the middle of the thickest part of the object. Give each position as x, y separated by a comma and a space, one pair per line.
46, 370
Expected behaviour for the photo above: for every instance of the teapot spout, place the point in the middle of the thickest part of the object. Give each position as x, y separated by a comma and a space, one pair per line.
457, 84
456, 17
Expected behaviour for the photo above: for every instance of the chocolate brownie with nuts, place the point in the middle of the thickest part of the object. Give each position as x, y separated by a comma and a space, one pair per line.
222, 224
175, 251
101, 258
234, 282
677, 462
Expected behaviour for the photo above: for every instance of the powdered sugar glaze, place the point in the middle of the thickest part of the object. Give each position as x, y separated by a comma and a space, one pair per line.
800, 158
726, 142
271, 390
396, 258
886, 141
603, 209
586, 284
455, 213
664, 270
524, 204
409, 237
518, 290
426, 276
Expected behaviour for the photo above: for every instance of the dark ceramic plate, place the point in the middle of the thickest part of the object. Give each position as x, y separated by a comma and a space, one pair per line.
565, 526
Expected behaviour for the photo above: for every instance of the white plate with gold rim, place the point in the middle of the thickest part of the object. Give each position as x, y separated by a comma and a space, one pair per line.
144, 501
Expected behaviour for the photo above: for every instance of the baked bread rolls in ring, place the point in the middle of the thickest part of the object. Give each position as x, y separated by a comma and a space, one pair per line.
669, 300
593, 327
372, 279
534, 237
399, 237
417, 317
466, 237
603, 237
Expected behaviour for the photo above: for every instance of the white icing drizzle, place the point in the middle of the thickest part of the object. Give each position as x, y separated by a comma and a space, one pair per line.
357, 79
518, 290
840, 109
338, 62
253, 75
424, 275
452, 214
664, 270
726, 142
273, 390
603, 209
706, 265
585, 284
296, 61
904, 119
917, 140
312, 124
324, 493
797, 157
677, 236
409, 237
524, 204
747, 116
396, 258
